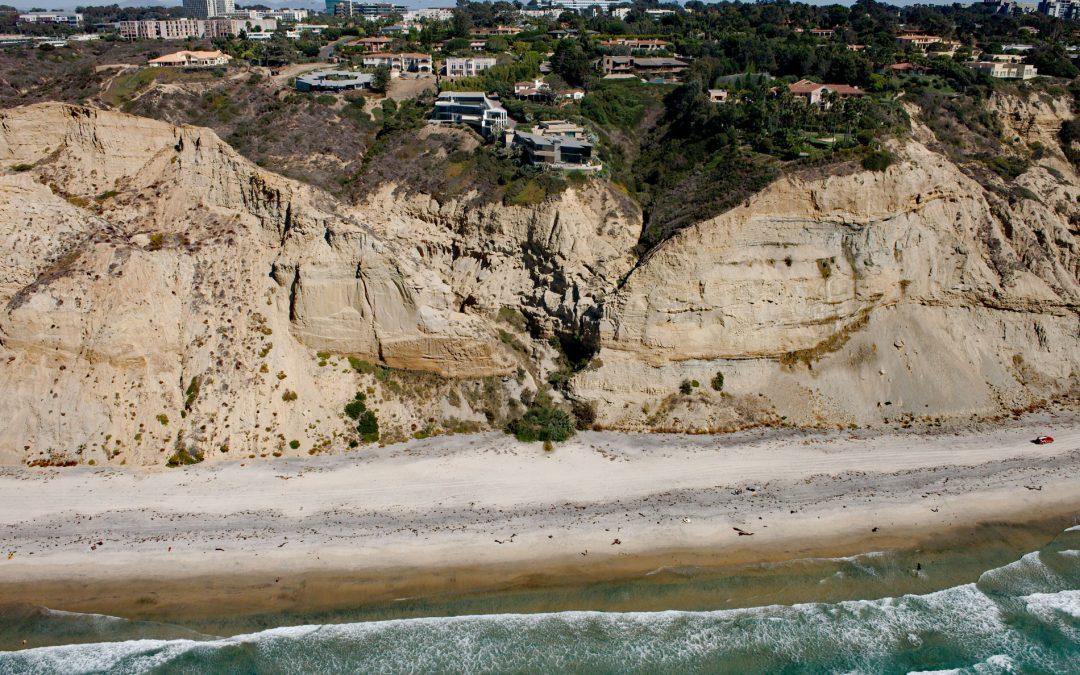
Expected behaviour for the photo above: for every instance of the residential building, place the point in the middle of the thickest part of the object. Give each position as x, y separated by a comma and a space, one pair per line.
182, 29
474, 108
917, 40
596, 6
70, 19
334, 80
405, 62
429, 14
558, 151
815, 94
562, 128
1004, 70
171, 29
478, 45
641, 66
205, 9
904, 68
467, 66
286, 14
822, 32
372, 45
186, 59
399, 28
366, 10
718, 95
494, 31
637, 44
533, 89
314, 28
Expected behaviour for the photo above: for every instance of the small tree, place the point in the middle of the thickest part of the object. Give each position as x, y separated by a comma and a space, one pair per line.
381, 79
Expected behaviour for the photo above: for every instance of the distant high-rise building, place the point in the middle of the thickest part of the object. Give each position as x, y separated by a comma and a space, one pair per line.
1062, 9
204, 9
367, 10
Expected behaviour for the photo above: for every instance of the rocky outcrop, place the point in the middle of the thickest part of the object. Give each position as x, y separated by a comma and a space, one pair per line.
555, 261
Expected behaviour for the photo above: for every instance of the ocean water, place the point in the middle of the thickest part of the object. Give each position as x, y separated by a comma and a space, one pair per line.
1022, 616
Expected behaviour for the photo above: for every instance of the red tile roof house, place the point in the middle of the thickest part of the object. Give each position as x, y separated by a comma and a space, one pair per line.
814, 93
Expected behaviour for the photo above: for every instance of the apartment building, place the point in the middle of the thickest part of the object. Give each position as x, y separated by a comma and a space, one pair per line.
474, 108
467, 66
182, 29
366, 10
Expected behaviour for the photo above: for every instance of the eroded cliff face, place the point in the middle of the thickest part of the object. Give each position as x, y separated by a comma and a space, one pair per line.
159, 290
855, 299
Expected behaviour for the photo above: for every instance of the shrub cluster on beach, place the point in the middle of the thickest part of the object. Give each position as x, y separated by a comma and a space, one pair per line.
367, 424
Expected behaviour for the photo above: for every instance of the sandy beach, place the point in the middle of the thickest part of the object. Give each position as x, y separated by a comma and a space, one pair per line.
482, 512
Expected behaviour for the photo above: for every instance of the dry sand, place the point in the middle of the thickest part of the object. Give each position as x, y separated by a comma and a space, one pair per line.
483, 512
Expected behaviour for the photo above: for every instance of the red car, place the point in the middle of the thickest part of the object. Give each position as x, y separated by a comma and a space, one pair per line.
1043, 440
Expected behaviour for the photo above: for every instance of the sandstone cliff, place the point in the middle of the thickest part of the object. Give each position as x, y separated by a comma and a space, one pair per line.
159, 291
915, 293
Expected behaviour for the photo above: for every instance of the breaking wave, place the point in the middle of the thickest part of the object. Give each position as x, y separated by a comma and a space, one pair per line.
1020, 617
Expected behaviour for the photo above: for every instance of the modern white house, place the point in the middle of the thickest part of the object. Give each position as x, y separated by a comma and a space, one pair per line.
474, 108
1004, 70
71, 19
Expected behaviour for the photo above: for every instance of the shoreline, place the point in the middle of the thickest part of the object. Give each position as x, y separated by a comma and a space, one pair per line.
482, 514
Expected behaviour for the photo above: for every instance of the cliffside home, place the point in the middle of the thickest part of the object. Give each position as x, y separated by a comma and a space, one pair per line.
814, 93
474, 108
186, 59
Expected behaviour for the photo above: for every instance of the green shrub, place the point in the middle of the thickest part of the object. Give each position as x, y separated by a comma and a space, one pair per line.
368, 427
294, 444
879, 160
717, 382
685, 387
1007, 167
22, 167
542, 422
361, 366
289, 396
357, 406
163, 418
184, 457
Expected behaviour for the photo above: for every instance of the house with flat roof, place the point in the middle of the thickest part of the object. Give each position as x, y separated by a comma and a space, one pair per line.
562, 152
468, 66
189, 59
474, 108
333, 80
642, 66
1004, 70
637, 44
72, 19
561, 128
815, 93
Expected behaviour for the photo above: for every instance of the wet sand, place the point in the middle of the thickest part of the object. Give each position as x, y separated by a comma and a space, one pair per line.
469, 514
